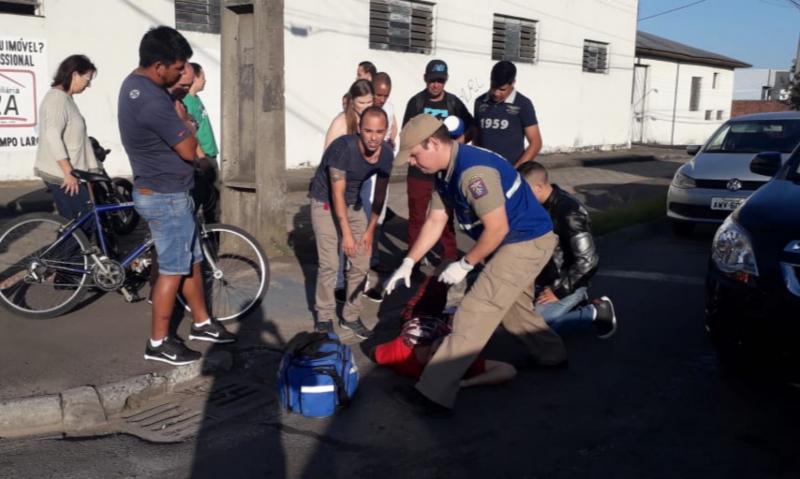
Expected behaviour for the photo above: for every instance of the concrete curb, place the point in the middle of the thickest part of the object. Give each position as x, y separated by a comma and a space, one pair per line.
77, 411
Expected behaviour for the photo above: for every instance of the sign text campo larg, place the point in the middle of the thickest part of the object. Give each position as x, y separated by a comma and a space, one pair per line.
23, 81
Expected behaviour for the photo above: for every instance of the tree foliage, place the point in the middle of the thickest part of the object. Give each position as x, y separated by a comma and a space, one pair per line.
794, 87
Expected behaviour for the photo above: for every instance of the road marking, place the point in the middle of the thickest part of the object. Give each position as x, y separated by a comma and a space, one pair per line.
647, 276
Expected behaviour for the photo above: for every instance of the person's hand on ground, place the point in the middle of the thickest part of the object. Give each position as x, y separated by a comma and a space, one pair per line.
546, 296
402, 273
455, 272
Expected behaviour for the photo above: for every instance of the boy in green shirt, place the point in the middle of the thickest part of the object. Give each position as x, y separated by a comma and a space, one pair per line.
205, 193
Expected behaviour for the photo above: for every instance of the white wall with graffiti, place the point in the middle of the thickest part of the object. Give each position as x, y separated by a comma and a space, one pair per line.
108, 32
325, 40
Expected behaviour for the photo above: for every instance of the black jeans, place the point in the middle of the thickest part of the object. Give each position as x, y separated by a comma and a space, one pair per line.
205, 194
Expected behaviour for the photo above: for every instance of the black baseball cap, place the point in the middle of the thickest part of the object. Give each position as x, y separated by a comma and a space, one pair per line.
436, 70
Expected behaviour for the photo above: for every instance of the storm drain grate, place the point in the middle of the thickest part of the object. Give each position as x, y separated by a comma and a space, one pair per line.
181, 414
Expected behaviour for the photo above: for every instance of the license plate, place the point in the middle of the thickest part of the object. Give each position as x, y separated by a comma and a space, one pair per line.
727, 204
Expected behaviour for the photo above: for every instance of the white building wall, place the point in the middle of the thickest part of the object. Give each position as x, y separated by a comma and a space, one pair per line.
685, 127
325, 40
108, 32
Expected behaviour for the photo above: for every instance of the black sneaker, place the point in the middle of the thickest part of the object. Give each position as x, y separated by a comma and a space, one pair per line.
356, 327
323, 326
341, 295
419, 403
212, 332
374, 294
605, 321
171, 351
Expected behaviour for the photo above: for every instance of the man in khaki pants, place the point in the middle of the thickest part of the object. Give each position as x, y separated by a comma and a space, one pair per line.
496, 207
337, 216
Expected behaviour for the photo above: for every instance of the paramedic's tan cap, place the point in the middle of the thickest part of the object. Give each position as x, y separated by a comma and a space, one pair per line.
416, 130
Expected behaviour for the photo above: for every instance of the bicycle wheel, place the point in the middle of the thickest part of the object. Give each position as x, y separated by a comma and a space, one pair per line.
125, 220
235, 271
39, 278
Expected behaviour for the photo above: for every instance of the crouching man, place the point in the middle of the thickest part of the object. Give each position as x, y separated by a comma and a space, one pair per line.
561, 293
495, 207
336, 216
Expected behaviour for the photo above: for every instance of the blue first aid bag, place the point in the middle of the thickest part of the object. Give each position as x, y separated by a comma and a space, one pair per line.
317, 374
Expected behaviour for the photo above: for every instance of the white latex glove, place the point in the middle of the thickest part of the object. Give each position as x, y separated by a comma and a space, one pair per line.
455, 272
403, 272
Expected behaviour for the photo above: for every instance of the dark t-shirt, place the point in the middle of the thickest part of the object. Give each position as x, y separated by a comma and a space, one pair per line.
150, 127
343, 154
502, 126
421, 103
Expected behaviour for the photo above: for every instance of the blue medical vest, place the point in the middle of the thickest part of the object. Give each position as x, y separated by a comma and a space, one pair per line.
527, 219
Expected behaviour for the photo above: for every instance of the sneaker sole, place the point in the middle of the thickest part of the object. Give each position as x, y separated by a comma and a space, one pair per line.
169, 361
613, 320
211, 340
368, 298
355, 333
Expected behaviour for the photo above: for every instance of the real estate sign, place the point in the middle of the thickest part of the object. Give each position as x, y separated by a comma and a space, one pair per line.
23, 80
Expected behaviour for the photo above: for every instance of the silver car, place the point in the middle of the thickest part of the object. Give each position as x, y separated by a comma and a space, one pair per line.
718, 179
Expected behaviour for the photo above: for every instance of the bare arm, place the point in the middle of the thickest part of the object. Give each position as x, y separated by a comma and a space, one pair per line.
430, 233
338, 128
393, 134
534, 137
186, 148
495, 228
338, 183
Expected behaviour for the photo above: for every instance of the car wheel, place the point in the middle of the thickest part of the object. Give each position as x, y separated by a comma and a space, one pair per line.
682, 228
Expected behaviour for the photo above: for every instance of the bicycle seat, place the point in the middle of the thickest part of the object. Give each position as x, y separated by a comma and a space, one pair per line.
89, 177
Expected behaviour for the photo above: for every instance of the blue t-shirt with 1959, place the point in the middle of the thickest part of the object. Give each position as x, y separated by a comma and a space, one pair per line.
150, 127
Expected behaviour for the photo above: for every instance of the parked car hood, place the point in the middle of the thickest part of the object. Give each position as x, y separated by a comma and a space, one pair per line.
773, 209
724, 166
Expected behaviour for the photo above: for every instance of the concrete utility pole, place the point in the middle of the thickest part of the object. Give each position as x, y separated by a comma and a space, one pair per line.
253, 120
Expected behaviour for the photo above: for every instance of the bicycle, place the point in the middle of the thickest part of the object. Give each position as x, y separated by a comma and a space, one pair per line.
47, 263
114, 190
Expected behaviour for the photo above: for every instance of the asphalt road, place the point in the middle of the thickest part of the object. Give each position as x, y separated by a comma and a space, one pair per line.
651, 402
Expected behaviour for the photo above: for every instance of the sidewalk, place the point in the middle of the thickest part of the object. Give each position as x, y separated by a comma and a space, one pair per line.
87, 365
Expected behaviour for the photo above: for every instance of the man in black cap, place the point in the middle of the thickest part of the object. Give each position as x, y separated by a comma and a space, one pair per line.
505, 118
435, 101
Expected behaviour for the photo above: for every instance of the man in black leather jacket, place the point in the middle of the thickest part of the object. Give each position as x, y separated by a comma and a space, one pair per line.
561, 296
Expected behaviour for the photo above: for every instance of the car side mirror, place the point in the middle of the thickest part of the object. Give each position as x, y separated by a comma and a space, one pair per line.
692, 150
766, 163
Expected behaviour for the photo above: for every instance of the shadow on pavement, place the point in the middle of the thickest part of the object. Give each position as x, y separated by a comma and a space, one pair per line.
235, 396
39, 200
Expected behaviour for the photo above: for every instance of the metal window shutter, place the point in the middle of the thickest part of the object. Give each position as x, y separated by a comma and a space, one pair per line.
198, 15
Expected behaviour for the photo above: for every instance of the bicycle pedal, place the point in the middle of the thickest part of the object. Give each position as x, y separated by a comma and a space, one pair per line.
129, 297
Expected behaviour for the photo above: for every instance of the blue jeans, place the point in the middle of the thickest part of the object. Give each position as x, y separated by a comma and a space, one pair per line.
564, 316
170, 217
70, 207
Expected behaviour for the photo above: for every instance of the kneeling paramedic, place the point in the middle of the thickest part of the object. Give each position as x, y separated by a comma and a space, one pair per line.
494, 206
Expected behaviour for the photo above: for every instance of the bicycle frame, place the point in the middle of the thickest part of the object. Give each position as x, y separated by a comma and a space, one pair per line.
94, 213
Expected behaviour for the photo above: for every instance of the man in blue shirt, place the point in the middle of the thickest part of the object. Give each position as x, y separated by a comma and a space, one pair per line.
506, 118
494, 206
159, 139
